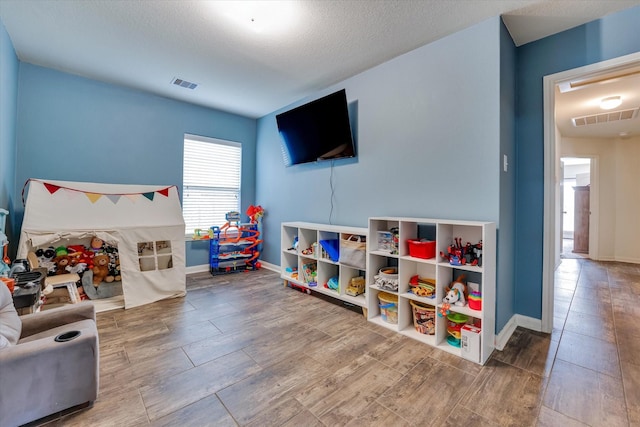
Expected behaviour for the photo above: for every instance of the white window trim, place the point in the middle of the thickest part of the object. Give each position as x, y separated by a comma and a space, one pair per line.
216, 141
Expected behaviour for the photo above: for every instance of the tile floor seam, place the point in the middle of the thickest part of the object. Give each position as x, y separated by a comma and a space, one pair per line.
615, 329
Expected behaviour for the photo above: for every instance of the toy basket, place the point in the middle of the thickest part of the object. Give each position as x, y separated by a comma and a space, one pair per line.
353, 251
387, 279
422, 248
424, 318
388, 307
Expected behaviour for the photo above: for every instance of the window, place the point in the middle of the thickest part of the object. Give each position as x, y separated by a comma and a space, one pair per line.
211, 181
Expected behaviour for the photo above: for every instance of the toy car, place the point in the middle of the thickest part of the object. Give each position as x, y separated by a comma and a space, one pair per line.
356, 286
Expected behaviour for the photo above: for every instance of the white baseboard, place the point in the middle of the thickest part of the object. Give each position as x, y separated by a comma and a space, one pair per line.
203, 268
516, 320
506, 332
529, 322
269, 266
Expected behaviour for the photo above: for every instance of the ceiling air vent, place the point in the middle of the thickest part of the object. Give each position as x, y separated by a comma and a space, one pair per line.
612, 116
184, 83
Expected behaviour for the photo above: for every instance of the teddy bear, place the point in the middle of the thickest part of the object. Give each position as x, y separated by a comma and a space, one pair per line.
61, 262
100, 268
456, 292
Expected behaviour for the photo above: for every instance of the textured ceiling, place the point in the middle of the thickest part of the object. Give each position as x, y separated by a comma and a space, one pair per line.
251, 68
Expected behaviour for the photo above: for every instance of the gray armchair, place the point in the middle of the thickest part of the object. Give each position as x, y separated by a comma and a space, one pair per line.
48, 361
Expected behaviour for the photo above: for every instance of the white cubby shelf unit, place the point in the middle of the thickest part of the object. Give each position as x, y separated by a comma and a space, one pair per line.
444, 233
293, 259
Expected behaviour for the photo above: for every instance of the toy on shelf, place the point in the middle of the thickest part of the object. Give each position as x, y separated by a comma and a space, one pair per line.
356, 286
459, 254
332, 283
309, 273
456, 293
202, 234
444, 309
475, 301
255, 213
387, 279
422, 287
311, 250
294, 246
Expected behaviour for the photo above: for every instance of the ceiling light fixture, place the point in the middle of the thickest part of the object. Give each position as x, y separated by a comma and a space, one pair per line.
264, 17
610, 102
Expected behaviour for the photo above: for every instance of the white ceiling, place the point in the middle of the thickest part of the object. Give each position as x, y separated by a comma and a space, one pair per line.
254, 68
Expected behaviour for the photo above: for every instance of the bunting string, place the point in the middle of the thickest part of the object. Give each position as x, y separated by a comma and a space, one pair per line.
94, 197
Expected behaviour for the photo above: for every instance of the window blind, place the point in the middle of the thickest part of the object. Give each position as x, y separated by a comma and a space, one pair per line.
211, 181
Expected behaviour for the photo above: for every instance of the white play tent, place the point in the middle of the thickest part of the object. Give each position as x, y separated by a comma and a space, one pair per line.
144, 221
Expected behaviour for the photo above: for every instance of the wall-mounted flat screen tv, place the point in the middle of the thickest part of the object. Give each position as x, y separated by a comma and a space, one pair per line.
319, 130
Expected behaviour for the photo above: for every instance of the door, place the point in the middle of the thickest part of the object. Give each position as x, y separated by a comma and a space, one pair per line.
581, 220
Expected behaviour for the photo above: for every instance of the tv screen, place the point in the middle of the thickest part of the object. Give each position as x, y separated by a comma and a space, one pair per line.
319, 130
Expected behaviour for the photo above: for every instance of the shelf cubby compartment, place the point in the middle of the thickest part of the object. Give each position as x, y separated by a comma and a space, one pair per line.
333, 242
346, 274
288, 236
308, 266
416, 230
375, 244
289, 265
306, 239
406, 324
376, 263
325, 272
409, 269
375, 312
447, 235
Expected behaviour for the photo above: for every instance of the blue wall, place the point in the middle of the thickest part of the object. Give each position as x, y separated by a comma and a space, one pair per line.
506, 260
8, 106
429, 141
73, 128
610, 37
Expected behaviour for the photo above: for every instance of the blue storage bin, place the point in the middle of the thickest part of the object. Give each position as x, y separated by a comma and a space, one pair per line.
332, 248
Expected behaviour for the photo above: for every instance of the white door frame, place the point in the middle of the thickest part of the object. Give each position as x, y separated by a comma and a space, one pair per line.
550, 252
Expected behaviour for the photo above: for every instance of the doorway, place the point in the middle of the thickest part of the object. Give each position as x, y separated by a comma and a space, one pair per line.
552, 172
576, 211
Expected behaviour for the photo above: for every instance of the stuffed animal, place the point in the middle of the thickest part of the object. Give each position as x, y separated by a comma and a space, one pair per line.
114, 272
61, 263
75, 266
45, 259
100, 268
456, 292
96, 245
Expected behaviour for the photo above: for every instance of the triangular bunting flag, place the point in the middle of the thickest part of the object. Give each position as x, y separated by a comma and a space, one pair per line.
113, 197
52, 188
93, 197
132, 197
149, 195
164, 192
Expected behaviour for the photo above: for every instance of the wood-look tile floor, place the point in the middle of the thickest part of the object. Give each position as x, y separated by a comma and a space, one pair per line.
244, 350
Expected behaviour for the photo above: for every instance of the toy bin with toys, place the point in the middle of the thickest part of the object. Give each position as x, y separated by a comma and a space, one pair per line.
424, 318
388, 307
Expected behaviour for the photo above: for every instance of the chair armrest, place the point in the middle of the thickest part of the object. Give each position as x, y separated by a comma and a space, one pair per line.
43, 377
39, 322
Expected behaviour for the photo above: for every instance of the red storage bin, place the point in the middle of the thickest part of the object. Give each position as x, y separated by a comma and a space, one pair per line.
422, 248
